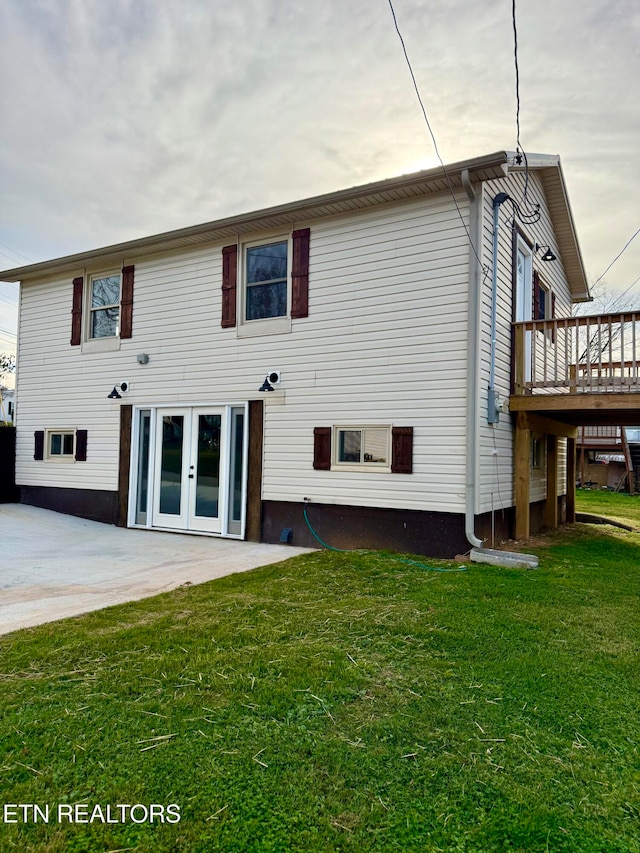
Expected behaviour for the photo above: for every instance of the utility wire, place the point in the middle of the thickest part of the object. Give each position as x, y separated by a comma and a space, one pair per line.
619, 255
435, 144
14, 252
520, 152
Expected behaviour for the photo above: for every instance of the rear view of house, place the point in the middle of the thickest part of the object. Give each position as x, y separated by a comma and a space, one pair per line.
352, 353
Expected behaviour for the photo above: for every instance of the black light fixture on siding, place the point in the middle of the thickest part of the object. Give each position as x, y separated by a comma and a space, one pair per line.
266, 385
114, 395
548, 255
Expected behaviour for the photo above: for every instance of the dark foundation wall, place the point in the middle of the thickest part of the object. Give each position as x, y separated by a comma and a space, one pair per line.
434, 534
85, 503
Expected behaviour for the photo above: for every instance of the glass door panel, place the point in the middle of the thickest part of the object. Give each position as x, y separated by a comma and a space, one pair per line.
205, 470
208, 466
236, 476
171, 464
142, 495
172, 450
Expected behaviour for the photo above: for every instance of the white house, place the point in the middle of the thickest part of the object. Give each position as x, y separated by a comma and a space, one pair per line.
394, 332
7, 404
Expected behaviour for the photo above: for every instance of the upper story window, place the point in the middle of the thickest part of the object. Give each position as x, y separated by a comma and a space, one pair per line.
265, 283
102, 309
104, 306
266, 280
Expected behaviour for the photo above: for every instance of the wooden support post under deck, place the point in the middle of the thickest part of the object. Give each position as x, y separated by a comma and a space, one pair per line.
571, 480
522, 465
551, 506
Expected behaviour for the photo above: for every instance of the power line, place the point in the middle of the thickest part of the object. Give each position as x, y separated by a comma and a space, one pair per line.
8, 332
435, 144
520, 152
619, 298
619, 255
14, 252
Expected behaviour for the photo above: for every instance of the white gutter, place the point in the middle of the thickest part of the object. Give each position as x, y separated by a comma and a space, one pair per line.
474, 323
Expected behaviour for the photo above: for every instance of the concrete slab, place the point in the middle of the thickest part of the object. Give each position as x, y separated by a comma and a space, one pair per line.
54, 565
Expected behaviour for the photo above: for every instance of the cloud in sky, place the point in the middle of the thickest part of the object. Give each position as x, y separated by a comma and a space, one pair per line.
131, 117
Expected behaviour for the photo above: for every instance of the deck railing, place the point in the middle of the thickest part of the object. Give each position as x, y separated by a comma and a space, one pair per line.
578, 354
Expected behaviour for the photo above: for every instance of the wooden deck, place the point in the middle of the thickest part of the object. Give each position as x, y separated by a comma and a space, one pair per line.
568, 373
581, 371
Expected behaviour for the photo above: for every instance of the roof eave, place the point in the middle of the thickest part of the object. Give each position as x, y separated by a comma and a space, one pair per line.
329, 204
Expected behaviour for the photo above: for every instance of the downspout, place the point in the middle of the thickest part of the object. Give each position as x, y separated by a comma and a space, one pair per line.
473, 358
493, 413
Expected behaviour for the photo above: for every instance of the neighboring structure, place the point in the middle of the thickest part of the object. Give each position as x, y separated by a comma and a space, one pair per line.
372, 320
605, 458
7, 404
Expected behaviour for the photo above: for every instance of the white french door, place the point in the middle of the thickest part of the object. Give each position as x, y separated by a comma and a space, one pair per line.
524, 297
191, 463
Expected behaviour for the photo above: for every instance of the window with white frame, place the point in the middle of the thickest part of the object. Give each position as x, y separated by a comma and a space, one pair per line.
266, 280
104, 305
362, 446
61, 444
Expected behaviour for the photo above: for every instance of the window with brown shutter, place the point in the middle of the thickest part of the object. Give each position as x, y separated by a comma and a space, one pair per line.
322, 448
402, 450
229, 285
126, 304
300, 273
76, 312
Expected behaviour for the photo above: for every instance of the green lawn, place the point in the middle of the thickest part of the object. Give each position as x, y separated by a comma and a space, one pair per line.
345, 702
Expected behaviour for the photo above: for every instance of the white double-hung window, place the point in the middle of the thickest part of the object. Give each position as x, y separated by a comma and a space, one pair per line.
104, 306
266, 280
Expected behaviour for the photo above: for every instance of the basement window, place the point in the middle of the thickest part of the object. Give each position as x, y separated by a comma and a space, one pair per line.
362, 447
61, 444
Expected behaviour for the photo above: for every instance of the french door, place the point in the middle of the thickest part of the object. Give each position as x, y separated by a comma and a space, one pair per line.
190, 466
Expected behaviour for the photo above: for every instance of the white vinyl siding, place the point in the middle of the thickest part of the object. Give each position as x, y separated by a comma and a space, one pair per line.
384, 343
496, 442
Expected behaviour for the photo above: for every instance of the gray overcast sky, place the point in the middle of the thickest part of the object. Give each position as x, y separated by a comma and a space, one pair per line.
122, 118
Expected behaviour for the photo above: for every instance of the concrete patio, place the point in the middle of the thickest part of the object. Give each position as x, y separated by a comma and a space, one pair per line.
53, 565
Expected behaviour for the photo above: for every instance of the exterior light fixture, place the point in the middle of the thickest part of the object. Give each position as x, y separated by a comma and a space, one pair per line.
114, 395
548, 254
272, 378
266, 385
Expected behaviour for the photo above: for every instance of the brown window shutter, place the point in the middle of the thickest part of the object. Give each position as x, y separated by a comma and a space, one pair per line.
536, 297
322, 448
81, 445
300, 274
126, 302
76, 312
38, 444
229, 285
402, 450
